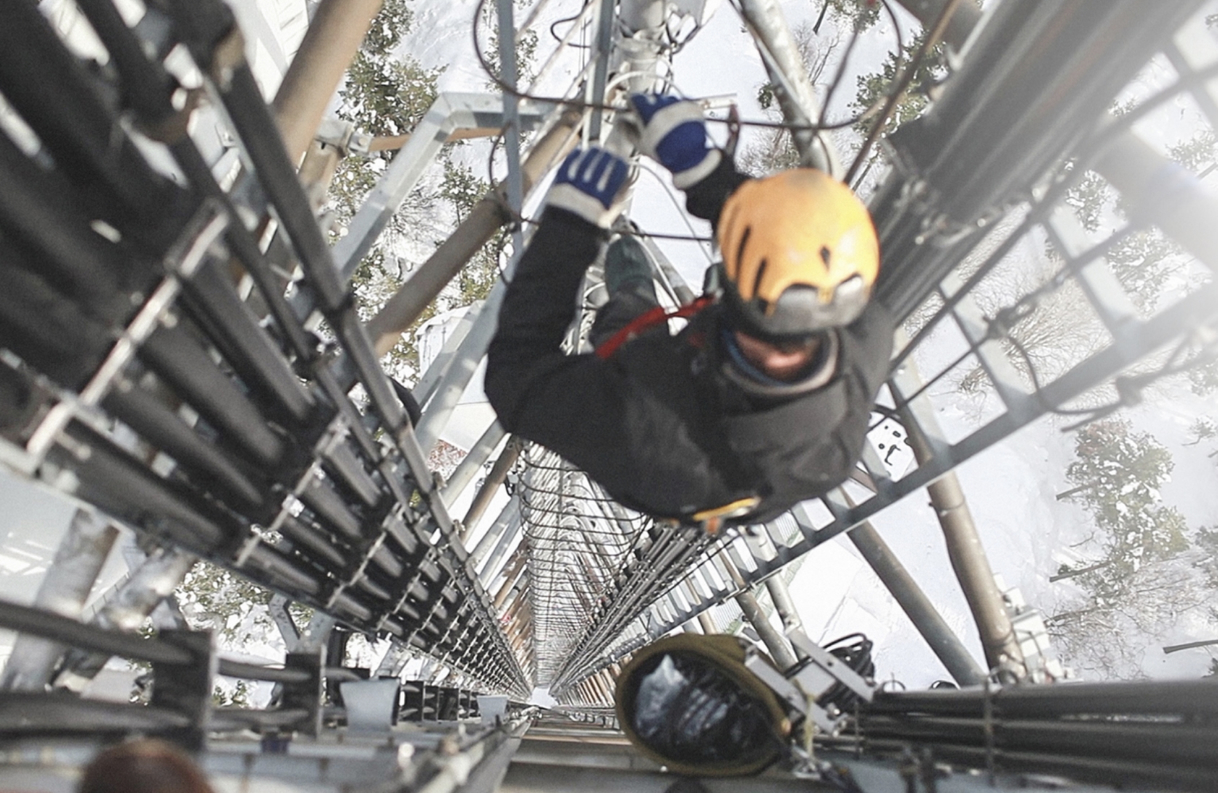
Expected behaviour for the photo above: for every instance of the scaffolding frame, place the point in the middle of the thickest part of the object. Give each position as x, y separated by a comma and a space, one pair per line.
140, 378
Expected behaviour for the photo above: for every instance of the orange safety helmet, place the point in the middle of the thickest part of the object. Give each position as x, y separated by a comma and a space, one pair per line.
800, 254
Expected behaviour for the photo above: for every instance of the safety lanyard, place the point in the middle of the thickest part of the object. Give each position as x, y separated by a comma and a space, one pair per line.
648, 319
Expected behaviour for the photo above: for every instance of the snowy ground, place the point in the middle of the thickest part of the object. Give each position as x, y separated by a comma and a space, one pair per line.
1026, 532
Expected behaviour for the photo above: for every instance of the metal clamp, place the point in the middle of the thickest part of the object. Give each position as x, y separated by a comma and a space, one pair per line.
343, 136
807, 683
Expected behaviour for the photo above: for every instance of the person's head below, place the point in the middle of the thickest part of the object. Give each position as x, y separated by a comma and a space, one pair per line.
800, 257
143, 766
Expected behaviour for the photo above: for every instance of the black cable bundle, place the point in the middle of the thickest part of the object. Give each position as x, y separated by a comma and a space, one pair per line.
855, 650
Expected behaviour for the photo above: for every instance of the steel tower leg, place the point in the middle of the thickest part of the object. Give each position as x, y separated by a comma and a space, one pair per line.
148, 585
917, 606
498, 473
482, 222
780, 651
329, 45
971, 565
78, 560
792, 87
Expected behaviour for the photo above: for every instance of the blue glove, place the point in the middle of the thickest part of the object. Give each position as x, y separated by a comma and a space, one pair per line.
674, 135
590, 183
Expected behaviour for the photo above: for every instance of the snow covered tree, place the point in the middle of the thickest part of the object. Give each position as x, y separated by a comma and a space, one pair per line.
862, 13
232, 607
1206, 541
1203, 379
1054, 335
1145, 259
1062, 329
1153, 534
462, 189
1118, 474
526, 49
1089, 198
1114, 460
821, 51
1143, 577
236, 611
1096, 636
874, 88
1202, 429
386, 93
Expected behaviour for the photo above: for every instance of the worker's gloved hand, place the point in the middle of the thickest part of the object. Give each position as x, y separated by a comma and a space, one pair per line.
673, 133
590, 183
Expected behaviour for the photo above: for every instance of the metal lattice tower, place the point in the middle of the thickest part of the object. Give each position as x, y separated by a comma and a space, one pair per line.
179, 349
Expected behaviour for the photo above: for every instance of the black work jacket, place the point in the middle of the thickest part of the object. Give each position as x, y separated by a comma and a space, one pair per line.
657, 425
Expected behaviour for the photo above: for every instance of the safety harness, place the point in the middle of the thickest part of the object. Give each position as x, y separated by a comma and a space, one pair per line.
710, 520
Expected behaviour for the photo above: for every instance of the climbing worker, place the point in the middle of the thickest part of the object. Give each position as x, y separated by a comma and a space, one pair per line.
762, 400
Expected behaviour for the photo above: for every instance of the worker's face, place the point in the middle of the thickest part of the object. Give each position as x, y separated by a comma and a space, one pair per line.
780, 361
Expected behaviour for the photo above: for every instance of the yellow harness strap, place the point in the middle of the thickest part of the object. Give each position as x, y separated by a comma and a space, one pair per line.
712, 519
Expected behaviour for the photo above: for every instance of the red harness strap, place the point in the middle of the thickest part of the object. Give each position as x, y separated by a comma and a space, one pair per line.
648, 319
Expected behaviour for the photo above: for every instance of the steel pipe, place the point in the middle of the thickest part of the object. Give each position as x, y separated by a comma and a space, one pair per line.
230, 668
78, 560
483, 221
146, 587
1134, 697
755, 615
63, 104
162, 427
240, 718
498, 473
939, 636
505, 531
38, 622
792, 87
122, 486
1115, 771
22, 713
1180, 743
1130, 164
44, 229
329, 45
516, 569
1003, 122
970, 564
469, 467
